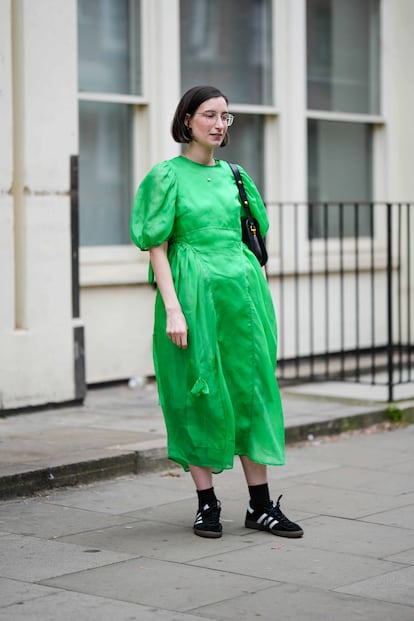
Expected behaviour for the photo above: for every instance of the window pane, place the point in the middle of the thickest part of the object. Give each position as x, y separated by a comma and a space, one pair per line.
109, 52
339, 169
246, 146
343, 55
228, 44
104, 173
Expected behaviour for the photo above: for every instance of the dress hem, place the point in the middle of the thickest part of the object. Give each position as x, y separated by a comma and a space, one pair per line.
217, 469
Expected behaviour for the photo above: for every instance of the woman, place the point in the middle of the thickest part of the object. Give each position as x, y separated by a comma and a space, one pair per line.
214, 339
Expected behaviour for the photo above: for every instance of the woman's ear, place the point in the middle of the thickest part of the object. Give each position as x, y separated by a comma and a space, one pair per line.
187, 120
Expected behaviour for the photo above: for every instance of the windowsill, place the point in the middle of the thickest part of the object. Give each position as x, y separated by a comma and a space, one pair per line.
112, 266
125, 265
346, 117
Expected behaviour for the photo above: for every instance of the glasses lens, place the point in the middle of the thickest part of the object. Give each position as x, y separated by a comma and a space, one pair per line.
230, 119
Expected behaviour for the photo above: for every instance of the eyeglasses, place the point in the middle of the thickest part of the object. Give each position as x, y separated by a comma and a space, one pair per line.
212, 117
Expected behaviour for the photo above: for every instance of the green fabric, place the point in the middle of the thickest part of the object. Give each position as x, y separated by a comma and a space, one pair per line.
219, 396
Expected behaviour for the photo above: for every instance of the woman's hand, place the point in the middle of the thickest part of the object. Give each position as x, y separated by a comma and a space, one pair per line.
177, 327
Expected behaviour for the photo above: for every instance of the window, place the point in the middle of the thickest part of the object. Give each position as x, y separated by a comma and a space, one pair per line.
343, 92
109, 77
104, 173
245, 146
343, 55
339, 169
229, 45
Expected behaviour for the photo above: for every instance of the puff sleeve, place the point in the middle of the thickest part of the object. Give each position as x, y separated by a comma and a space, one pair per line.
153, 211
257, 206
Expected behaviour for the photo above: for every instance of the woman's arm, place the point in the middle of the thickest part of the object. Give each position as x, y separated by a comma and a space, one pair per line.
176, 323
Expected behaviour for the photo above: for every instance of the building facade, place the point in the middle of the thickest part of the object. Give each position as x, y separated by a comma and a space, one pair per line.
322, 92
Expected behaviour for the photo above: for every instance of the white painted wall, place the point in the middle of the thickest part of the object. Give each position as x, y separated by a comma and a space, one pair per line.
398, 96
118, 332
39, 110
6, 176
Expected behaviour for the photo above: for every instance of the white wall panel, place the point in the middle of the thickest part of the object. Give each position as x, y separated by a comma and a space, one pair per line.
118, 332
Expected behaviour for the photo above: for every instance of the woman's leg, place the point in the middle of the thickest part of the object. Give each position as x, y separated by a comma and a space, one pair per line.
202, 477
256, 478
256, 474
207, 522
203, 480
262, 514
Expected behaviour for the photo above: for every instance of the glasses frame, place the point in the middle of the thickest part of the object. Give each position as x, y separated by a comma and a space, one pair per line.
208, 116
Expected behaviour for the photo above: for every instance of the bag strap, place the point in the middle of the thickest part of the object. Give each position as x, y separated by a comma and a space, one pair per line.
241, 188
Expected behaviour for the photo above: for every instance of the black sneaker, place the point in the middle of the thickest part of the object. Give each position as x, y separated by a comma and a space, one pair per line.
207, 522
273, 520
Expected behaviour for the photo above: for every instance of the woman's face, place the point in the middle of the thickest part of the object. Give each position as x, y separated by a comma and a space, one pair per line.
208, 124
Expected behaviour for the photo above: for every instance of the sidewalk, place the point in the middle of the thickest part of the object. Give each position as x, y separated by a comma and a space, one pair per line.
123, 549
120, 430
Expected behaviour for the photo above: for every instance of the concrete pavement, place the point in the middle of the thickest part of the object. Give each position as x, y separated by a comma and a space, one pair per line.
121, 430
124, 549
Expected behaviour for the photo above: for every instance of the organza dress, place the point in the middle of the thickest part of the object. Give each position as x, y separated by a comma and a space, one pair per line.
219, 396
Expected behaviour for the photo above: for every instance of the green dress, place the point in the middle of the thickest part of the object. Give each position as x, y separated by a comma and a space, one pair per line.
219, 396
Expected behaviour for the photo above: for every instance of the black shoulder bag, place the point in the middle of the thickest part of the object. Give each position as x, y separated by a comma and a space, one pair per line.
251, 235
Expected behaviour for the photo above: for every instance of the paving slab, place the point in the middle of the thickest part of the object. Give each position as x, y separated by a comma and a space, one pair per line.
396, 586
32, 446
343, 503
157, 540
356, 537
406, 557
296, 603
356, 390
298, 465
406, 467
376, 481
183, 587
64, 606
31, 559
362, 454
403, 517
16, 592
279, 560
50, 521
124, 496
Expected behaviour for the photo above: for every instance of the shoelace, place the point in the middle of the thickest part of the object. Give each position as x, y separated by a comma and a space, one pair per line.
277, 513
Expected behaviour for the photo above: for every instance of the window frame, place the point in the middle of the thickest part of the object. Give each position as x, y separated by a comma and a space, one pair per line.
378, 124
377, 75
287, 169
124, 264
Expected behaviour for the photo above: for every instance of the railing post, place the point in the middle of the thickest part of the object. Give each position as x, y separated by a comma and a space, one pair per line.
78, 329
389, 305
74, 218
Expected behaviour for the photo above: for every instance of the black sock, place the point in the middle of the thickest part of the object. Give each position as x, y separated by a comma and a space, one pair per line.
259, 496
206, 497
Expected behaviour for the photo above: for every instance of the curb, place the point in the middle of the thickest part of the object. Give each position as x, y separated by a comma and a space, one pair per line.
45, 479
152, 460
335, 426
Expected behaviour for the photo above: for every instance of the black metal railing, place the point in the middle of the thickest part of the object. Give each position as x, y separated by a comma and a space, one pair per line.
342, 275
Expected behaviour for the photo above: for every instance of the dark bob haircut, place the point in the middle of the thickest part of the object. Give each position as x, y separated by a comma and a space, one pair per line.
188, 104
